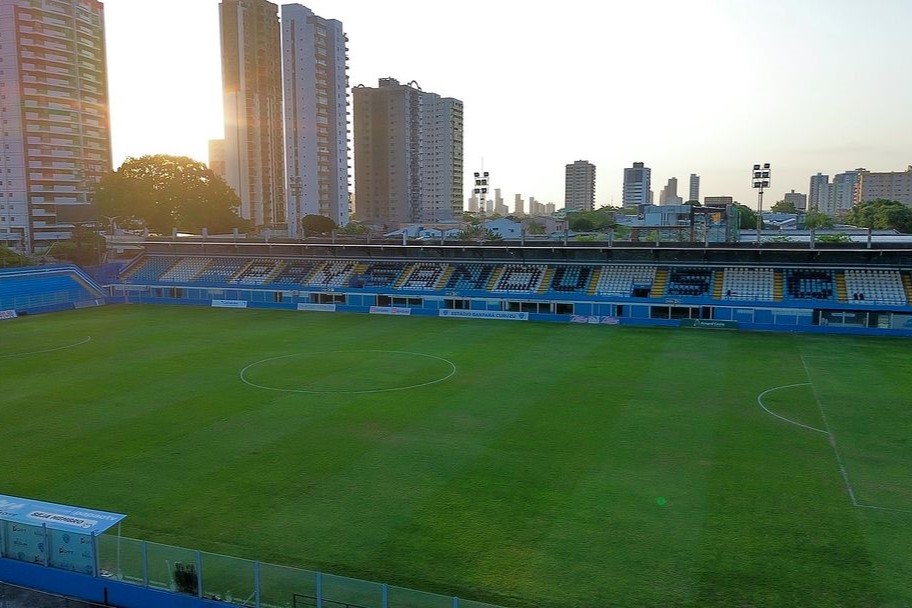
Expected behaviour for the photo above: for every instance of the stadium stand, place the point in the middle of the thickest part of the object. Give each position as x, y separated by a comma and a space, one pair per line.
625, 280
469, 276
809, 284
423, 276
519, 278
379, 274
570, 279
257, 272
332, 274
221, 270
149, 268
185, 270
293, 273
748, 284
46, 289
693, 282
875, 286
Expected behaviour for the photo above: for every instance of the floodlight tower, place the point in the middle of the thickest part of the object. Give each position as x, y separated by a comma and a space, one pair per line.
481, 189
760, 181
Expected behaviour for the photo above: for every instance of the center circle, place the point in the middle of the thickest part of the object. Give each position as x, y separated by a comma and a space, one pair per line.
348, 372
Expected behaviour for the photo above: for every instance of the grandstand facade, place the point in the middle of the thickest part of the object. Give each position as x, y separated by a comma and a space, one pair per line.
786, 289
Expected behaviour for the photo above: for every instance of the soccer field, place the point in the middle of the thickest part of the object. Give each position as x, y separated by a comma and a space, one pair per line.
529, 465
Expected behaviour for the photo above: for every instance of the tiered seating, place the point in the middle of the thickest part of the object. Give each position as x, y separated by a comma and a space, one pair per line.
693, 282
809, 284
424, 276
257, 273
875, 286
294, 273
332, 274
151, 268
470, 276
520, 277
22, 292
569, 279
221, 269
622, 280
748, 284
380, 274
185, 270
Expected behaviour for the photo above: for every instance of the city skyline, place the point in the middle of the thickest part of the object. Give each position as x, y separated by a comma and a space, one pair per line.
775, 93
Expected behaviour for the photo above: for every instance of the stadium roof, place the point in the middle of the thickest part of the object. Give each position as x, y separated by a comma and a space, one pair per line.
57, 517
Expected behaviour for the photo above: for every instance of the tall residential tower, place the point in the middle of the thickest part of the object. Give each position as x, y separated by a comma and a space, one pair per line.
55, 141
408, 154
579, 186
637, 185
252, 94
315, 64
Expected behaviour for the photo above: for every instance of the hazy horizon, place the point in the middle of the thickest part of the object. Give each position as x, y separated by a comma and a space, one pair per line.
707, 87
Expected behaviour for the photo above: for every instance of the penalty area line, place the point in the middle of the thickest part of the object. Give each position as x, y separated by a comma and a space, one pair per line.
783, 418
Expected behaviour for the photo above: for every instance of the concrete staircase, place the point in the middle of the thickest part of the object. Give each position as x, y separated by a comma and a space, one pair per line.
594, 281
660, 284
718, 280
842, 292
778, 285
546, 280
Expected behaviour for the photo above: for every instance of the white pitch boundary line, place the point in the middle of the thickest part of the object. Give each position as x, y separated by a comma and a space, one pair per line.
452, 365
50, 350
842, 468
772, 413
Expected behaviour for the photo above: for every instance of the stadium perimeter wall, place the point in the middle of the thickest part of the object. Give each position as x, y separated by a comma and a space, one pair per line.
745, 316
87, 588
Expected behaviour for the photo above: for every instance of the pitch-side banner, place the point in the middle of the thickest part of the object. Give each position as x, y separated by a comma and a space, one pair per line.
7, 314
317, 307
390, 310
485, 314
229, 303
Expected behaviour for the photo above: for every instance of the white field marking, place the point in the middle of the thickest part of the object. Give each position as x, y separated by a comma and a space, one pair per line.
50, 350
452, 365
772, 413
842, 468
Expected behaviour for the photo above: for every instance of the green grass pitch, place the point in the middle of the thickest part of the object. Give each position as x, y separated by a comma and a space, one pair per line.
532, 465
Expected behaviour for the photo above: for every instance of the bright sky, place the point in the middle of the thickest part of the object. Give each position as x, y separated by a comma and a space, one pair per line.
687, 86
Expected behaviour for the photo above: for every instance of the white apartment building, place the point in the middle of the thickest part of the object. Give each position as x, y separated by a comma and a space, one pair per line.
892, 185
55, 139
315, 81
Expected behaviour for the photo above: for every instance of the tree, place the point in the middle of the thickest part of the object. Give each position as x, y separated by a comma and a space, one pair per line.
8, 258
84, 247
317, 224
162, 192
580, 224
478, 233
881, 214
353, 228
784, 207
747, 217
816, 219
535, 228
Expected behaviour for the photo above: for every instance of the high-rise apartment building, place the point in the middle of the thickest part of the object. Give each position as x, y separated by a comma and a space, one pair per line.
669, 194
55, 142
518, 205
892, 185
217, 157
408, 154
694, 191
637, 186
843, 190
818, 192
579, 186
252, 95
315, 80
798, 199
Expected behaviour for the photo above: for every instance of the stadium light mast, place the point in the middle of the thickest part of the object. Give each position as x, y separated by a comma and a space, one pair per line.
761, 180
481, 190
